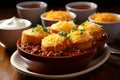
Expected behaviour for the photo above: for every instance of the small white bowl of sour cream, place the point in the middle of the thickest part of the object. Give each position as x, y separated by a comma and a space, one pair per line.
11, 29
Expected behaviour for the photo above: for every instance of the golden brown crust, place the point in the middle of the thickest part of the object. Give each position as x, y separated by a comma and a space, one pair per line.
53, 31
57, 48
54, 42
84, 45
94, 30
81, 41
32, 37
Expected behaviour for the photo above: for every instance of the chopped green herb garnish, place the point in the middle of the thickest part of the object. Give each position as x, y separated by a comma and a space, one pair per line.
73, 29
77, 26
68, 36
81, 31
82, 24
62, 33
40, 27
32, 29
46, 30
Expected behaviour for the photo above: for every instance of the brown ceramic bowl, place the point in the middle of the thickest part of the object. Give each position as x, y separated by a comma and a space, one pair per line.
55, 65
48, 22
100, 44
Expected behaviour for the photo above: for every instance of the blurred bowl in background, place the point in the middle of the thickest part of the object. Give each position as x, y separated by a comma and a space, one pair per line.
10, 31
110, 23
82, 10
31, 10
57, 16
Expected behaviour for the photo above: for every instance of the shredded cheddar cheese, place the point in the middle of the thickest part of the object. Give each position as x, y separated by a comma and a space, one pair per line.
65, 26
93, 28
58, 15
104, 17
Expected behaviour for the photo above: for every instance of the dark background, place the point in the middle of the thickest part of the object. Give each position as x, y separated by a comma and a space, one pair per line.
59, 3
112, 6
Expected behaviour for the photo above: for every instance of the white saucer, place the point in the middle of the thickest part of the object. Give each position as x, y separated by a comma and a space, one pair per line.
17, 63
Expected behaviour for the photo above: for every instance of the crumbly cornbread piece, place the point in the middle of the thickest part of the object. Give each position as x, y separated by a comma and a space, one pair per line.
53, 42
80, 39
33, 36
104, 17
94, 29
65, 26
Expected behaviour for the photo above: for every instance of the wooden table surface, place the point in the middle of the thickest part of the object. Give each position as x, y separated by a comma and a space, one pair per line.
110, 70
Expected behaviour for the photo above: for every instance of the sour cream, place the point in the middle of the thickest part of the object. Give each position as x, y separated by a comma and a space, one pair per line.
13, 23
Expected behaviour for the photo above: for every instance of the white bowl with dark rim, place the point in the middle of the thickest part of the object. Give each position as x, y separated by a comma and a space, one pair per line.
82, 9
9, 35
111, 28
31, 10
48, 22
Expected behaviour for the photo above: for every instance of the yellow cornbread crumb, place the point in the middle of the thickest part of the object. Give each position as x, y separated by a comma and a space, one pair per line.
33, 37
53, 42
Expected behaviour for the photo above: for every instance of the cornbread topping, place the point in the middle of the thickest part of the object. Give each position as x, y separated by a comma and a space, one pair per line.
12, 23
94, 29
65, 26
34, 35
76, 41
